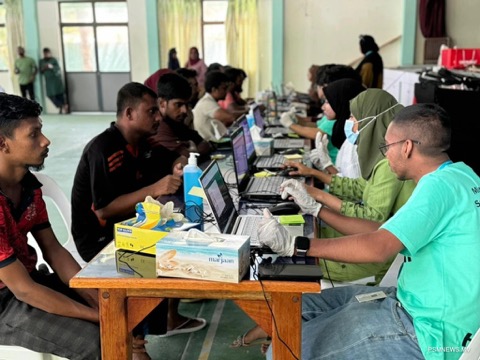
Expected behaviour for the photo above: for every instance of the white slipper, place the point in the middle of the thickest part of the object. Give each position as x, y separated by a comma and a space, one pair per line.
181, 329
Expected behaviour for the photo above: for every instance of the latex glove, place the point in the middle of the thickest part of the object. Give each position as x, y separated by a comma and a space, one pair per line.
287, 119
274, 235
319, 156
295, 189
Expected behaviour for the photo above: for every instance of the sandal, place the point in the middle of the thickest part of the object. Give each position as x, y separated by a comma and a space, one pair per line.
240, 341
265, 346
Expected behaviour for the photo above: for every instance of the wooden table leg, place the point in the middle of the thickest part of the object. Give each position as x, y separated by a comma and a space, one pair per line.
115, 339
287, 310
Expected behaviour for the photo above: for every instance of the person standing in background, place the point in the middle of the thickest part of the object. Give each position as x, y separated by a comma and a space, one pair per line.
195, 63
53, 81
173, 63
26, 69
371, 67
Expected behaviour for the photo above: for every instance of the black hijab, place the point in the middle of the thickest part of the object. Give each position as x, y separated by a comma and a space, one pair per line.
339, 93
173, 63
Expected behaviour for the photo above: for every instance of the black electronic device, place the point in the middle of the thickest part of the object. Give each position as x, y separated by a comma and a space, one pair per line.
289, 272
286, 172
285, 208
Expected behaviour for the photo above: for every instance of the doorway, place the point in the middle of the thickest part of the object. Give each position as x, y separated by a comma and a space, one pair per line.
96, 53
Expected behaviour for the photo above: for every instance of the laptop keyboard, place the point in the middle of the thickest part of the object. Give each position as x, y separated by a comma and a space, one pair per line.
249, 226
275, 161
266, 186
288, 143
277, 130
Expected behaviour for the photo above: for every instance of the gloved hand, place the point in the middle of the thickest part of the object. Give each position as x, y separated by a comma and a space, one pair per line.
274, 235
295, 189
319, 156
288, 118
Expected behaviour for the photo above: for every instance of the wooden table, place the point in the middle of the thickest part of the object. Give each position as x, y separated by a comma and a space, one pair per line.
125, 301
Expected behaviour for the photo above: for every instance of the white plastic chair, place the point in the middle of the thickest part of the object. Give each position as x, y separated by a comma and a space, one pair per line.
391, 276
51, 190
472, 352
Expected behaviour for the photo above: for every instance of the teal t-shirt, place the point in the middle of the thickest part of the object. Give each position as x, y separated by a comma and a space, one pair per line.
327, 127
438, 284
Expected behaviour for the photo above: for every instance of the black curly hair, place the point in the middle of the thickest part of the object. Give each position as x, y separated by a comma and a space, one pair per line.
14, 109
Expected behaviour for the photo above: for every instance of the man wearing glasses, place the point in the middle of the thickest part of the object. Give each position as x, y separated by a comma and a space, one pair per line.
435, 310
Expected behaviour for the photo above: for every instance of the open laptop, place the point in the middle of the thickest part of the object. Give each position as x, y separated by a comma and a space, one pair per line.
252, 188
278, 144
223, 209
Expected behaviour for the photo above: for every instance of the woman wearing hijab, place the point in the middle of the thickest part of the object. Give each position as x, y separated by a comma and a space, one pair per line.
376, 195
173, 63
371, 67
195, 63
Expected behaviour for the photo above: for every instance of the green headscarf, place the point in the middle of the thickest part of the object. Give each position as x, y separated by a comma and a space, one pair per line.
370, 103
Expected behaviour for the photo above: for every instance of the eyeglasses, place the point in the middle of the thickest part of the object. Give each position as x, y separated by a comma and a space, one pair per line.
384, 147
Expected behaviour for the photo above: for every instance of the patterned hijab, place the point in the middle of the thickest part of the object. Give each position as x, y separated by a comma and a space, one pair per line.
371, 103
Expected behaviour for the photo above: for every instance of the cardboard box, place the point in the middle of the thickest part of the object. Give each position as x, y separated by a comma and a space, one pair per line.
460, 58
137, 239
136, 264
227, 259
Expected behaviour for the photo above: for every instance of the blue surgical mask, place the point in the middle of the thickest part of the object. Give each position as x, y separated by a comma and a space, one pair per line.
349, 133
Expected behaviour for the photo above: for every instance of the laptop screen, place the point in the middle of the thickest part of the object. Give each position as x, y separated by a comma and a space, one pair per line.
218, 197
257, 115
248, 139
239, 156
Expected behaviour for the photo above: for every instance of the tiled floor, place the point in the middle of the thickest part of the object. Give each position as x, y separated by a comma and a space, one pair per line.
69, 134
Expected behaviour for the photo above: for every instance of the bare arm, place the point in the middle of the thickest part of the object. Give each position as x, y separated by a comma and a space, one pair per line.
18, 280
376, 247
347, 225
325, 198
305, 131
226, 117
303, 170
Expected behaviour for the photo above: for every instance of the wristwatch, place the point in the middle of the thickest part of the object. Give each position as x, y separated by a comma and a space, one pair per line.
302, 244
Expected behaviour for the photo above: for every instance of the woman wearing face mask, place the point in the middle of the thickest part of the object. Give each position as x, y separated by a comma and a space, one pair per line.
376, 195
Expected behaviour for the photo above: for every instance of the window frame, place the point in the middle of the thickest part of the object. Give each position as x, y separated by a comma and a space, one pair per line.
211, 23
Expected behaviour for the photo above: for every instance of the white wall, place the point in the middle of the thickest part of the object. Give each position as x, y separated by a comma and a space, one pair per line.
325, 31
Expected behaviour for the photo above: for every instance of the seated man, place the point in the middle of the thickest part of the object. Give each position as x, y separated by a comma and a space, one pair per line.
38, 311
173, 92
233, 101
435, 310
210, 120
117, 170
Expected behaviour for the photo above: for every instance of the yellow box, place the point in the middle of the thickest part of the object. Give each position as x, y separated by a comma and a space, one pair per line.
136, 239
136, 264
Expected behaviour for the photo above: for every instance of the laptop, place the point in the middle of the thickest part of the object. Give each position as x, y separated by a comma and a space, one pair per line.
252, 188
265, 131
223, 209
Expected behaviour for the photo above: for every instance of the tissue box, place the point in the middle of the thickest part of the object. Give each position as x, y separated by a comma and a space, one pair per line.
136, 264
132, 238
263, 147
226, 260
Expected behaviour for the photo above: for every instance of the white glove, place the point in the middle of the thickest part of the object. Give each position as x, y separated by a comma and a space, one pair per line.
288, 118
295, 189
275, 236
319, 156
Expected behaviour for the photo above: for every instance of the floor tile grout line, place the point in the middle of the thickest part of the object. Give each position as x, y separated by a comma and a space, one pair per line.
190, 338
212, 330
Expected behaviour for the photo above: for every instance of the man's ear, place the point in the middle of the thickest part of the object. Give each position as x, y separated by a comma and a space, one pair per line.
162, 104
3, 144
128, 112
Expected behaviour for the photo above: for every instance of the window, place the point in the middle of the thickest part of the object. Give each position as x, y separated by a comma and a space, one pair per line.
214, 13
95, 36
3, 41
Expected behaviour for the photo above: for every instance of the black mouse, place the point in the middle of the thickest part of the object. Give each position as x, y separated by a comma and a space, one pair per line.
286, 171
285, 208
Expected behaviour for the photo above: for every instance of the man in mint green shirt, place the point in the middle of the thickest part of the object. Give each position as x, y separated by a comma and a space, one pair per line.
26, 69
436, 309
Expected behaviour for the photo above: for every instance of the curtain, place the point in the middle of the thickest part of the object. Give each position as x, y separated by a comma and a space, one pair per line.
180, 27
242, 40
15, 36
432, 18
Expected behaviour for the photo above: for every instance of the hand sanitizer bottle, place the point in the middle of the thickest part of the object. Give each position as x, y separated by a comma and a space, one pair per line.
193, 204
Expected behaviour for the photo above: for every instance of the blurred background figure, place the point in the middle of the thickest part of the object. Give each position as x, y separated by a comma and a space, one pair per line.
53, 81
195, 63
26, 69
173, 63
371, 67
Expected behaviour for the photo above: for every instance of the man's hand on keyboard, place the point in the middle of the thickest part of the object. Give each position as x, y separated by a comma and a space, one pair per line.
296, 190
274, 235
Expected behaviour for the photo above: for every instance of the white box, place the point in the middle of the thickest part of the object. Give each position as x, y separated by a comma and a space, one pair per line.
263, 146
226, 259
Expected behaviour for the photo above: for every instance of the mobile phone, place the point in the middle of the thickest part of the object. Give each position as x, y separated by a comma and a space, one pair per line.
289, 272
